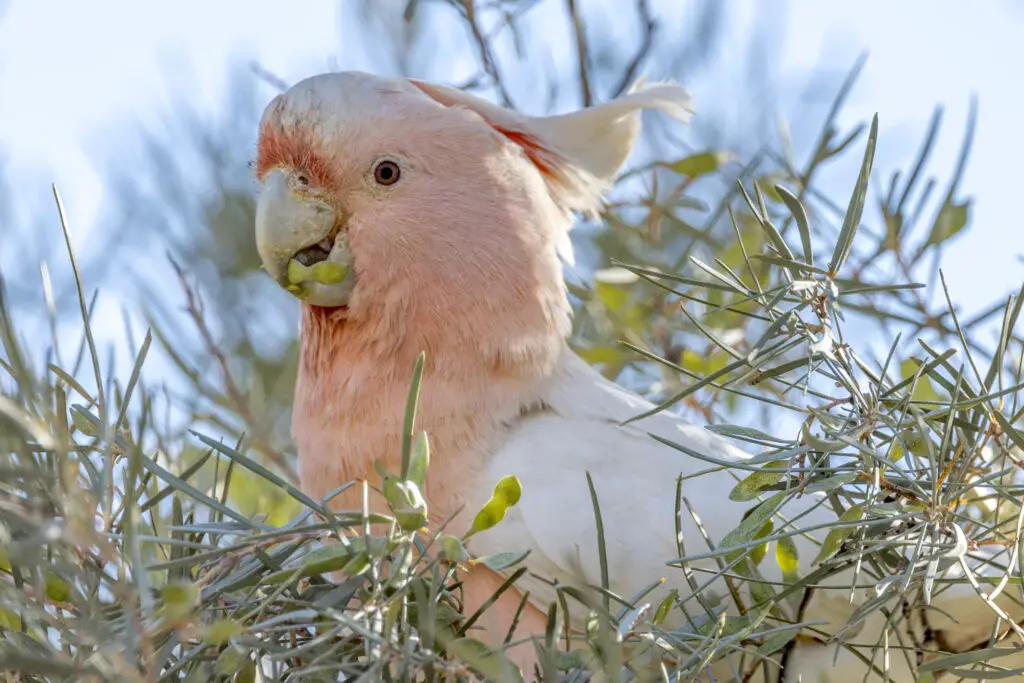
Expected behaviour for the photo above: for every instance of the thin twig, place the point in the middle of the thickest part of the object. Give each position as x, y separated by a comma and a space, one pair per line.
484, 50
582, 52
646, 43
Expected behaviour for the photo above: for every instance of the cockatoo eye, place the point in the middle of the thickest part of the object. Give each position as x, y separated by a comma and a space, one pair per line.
302, 179
386, 172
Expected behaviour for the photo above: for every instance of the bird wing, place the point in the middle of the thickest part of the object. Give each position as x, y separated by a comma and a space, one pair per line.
577, 431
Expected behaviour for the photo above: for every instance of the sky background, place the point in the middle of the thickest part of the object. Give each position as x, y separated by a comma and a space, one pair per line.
75, 77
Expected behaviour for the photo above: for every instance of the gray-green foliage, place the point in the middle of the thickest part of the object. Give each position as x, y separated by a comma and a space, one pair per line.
152, 532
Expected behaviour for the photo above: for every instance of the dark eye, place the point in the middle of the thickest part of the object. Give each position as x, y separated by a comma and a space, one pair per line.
386, 173
302, 179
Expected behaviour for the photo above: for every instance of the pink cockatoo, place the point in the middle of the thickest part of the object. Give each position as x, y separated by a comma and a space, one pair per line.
440, 222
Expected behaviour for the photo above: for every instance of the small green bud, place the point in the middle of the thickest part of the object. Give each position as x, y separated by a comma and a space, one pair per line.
406, 502
57, 589
453, 549
509, 489
507, 493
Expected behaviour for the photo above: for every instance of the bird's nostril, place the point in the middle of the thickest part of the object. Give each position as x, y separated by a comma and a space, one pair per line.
312, 255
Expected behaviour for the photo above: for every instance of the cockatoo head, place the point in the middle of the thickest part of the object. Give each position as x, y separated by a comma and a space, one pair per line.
391, 197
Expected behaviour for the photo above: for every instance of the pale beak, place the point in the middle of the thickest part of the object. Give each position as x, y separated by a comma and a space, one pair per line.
303, 243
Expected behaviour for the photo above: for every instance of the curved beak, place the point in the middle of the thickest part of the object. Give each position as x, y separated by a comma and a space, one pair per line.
302, 243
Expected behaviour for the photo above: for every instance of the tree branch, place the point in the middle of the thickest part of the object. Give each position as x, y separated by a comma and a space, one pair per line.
483, 45
582, 52
646, 43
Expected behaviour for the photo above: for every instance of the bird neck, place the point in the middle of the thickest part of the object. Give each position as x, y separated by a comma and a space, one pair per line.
354, 380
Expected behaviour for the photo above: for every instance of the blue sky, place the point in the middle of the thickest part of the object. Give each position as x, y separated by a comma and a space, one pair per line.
69, 72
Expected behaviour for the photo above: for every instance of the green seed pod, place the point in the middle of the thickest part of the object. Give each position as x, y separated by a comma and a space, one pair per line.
329, 273
509, 489
298, 273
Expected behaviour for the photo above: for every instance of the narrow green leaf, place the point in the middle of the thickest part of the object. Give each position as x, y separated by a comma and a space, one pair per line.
959, 659
780, 369
501, 561
792, 265
748, 433
878, 289
602, 553
826, 484
419, 461
410, 412
802, 224
951, 219
844, 243
778, 639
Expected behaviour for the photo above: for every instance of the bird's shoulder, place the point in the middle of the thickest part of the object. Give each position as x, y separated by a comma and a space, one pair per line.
575, 431
580, 402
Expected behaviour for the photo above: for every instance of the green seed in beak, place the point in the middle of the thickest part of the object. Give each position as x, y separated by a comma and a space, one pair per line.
329, 273
298, 272
325, 272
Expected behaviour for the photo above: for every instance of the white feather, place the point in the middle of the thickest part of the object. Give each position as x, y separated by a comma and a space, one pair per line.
599, 139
